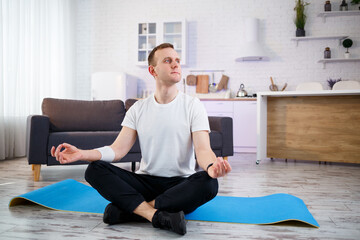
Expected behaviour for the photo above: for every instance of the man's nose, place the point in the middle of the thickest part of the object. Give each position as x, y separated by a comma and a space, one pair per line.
175, 64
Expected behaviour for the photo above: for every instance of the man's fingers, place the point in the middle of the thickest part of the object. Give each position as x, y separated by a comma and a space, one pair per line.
220, 168
63, 159
227, 166
66, 145
57, 151
53, 151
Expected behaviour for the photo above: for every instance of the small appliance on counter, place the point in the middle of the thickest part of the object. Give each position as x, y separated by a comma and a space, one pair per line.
241, 92
113, 85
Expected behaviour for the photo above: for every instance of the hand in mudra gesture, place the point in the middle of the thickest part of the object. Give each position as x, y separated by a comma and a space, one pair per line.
219, 168
68, 155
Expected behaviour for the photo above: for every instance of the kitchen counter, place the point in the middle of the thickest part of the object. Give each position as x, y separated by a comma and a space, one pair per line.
314, 125
309, 93
229, 99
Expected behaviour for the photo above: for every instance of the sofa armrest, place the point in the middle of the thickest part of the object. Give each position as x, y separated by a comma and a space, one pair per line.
224, 125
37, 133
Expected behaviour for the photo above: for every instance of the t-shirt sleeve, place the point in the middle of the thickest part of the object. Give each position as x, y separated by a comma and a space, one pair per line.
130, 118
200, 120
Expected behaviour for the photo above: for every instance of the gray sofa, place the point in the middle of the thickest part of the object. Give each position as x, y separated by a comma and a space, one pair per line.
92, 124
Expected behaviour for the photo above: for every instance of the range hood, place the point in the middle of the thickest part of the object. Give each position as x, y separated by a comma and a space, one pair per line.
251, 49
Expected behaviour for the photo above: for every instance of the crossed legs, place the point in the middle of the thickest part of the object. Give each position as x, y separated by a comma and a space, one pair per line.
144, 194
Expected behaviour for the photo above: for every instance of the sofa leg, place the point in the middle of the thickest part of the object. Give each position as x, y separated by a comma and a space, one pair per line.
36, 169
133, 165
225, 158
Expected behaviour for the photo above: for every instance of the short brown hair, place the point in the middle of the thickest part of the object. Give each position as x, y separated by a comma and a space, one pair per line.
152, 53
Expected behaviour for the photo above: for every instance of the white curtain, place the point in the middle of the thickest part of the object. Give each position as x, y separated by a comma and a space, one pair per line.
36, 61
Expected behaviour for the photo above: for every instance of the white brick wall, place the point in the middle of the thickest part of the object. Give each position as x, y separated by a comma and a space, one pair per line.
106, 40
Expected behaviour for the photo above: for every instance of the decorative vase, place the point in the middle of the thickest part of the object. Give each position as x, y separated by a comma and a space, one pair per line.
343, 6
347, 55
300, 32
327, 53
327, 6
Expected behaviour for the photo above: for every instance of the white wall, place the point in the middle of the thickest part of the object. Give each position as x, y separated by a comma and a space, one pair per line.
107, 32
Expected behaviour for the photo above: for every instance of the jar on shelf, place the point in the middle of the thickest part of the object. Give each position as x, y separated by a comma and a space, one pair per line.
343, 6
327, 6
327, 53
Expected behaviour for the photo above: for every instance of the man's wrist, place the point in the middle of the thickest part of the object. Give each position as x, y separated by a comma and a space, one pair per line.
207, 168
107, 153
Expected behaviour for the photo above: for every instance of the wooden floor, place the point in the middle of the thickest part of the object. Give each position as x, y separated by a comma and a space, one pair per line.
331, 192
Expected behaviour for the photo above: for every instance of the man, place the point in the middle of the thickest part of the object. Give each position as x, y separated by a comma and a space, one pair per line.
170, 125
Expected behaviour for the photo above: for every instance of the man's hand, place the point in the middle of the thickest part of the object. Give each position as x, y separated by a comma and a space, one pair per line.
68, 155
219, 168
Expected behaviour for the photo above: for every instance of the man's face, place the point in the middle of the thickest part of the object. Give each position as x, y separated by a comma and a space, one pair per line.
167, 69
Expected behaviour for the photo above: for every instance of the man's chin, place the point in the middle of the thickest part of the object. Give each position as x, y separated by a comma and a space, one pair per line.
176, 79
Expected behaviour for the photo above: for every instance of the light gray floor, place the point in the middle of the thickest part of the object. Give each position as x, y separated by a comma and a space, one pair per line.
331, 192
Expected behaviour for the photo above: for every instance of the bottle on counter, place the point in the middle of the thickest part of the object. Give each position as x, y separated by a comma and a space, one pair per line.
343, 6
327, 53
327, 6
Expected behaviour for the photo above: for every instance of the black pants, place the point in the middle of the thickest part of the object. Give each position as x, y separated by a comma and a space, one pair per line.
128, 190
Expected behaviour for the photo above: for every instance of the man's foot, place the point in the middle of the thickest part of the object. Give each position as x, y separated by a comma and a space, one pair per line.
170, 221
114, 215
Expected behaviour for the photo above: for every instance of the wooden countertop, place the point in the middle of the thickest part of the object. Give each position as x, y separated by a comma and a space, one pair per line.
309, 93
228, 99
222, 99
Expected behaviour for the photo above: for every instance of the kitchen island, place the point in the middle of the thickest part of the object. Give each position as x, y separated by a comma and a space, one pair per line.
312, 125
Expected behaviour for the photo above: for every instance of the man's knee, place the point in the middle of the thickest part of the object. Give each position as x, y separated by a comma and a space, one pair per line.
92, 170
212, 187
207, 185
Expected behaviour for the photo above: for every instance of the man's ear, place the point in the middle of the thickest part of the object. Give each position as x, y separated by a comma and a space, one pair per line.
152, 70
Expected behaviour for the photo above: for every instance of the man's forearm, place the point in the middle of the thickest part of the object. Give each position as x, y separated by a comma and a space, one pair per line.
96, 154
205, 157
90, 155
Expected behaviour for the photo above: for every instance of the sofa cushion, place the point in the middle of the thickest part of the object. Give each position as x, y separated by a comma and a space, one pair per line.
87, 140
78, 115
129, 102
215, 140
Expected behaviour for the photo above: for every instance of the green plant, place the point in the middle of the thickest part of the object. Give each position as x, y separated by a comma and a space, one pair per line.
353, 2
300, 17
347, 43
331, 82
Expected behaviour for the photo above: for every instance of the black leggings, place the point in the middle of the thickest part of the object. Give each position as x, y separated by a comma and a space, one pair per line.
128, 190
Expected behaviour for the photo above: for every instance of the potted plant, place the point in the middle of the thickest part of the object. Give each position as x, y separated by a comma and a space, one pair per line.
300, 17
331, 82
343, 6
353, 2
347, 43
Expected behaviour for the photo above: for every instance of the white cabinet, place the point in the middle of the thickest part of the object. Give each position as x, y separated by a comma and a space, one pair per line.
245, 126
243, 114
147, 40
219, 108
151, 34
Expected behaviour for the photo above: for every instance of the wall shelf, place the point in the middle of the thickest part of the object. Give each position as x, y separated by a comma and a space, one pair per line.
338, 13
297, 39
324, 61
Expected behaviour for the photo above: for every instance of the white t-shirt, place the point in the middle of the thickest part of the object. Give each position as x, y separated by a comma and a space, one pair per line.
164, 132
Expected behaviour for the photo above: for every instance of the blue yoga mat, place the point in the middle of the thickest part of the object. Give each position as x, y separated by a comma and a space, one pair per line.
70, 195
